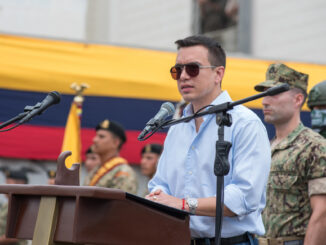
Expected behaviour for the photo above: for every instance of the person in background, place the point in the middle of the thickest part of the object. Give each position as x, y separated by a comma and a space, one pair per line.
12, 177
185, 177
114, 171
317, 105
51, 177
92, 160
295, 210
150, 154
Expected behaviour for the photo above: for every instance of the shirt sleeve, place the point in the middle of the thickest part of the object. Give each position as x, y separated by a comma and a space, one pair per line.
250, 168
316, 159
159, 181
317, 186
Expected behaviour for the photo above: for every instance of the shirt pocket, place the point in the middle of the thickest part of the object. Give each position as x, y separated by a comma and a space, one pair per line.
283, 193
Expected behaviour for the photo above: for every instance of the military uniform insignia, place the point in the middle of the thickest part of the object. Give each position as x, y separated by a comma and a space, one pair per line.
105, 124
148, 149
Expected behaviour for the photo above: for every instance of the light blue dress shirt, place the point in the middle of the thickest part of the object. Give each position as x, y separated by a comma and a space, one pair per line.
186, 169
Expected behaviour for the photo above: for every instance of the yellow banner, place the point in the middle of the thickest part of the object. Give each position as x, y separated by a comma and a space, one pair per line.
41, 65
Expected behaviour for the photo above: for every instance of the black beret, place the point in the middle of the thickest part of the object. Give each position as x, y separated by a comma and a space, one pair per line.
113, 127
17, 175
51, 173
152, 148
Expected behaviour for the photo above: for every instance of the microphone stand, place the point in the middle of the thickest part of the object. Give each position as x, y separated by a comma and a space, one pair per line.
221, 163
27, 110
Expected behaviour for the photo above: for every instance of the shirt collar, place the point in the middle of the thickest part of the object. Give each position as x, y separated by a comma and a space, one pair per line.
290, 138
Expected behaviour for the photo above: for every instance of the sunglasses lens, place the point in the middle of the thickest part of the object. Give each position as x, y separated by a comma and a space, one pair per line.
192, 70
175, 72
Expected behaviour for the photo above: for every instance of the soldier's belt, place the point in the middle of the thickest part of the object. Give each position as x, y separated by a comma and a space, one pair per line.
288, 240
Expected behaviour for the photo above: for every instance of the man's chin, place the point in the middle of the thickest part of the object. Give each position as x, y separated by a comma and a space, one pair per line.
268, 119
187, 98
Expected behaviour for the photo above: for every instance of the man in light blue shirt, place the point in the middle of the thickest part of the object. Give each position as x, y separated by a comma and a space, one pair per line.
185, 176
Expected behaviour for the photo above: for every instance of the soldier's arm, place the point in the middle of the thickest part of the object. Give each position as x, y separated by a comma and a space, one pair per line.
315, 233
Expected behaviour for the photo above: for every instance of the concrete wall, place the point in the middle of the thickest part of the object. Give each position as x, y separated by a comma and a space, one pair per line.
289, 30
44, 18
143, 23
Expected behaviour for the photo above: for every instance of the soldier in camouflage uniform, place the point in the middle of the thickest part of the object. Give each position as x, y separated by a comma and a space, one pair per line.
150, 154
317, 105
295, 204
12, 177
114, 171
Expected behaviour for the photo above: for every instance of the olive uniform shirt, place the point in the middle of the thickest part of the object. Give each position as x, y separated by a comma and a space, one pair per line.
3, 223
298, 170
120, 176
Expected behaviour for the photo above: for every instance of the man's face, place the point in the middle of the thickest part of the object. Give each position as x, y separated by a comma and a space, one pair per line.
10, 181
148, 163
92, 160
204, 88
104, 142
280, 108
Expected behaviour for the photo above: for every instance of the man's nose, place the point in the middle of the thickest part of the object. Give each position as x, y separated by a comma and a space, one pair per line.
184, 75
266, 100
94, 139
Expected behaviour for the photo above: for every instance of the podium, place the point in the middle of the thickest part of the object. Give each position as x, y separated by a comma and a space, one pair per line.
67, 213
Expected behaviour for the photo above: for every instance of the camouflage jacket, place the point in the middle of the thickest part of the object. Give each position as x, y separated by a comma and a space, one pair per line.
119, 176
296, 160
3, 218
3, 224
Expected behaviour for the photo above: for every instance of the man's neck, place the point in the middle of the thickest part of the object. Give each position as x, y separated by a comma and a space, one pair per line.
198, 105
107, 156
283, 130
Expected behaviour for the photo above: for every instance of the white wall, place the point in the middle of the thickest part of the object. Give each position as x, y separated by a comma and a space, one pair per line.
143, 23
153, 24
289, 30
45, 18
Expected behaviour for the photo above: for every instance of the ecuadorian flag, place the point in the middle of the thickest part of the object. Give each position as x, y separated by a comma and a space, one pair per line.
126, 85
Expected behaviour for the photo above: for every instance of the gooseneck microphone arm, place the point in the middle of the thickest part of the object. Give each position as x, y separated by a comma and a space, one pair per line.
31, 111
14, 119
226, 106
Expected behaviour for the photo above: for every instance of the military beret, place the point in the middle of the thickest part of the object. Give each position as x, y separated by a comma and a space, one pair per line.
51, 173
152, 148
278, 74
17, 175
113, 127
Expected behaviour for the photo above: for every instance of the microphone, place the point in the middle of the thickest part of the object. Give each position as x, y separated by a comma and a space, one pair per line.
167, 109
278, 89
51, 99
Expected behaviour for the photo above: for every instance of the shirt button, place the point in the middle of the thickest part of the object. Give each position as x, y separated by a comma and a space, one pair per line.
193, 148
190, 173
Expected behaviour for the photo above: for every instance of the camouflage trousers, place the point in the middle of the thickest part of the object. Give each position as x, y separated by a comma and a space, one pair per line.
289, 240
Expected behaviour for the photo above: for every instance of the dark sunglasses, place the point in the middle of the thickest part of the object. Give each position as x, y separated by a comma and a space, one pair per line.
192, 69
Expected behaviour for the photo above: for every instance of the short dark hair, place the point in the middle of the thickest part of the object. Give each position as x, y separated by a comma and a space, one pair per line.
216, 54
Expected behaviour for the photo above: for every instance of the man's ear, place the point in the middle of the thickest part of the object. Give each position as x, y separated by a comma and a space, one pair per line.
299, 99
219, 74
116, 141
